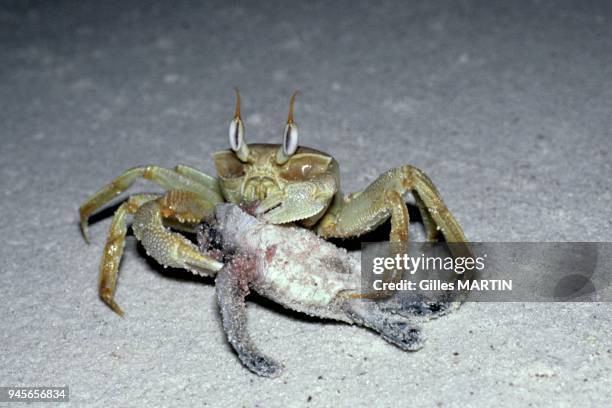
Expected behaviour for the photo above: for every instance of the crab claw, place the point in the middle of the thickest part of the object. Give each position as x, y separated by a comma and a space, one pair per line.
296, 202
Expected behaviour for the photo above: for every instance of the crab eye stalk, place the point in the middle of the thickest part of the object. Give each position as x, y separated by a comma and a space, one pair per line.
236, 133
290, 136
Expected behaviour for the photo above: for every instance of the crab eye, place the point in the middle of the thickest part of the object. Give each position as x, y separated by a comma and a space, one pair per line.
236, 134
290, 139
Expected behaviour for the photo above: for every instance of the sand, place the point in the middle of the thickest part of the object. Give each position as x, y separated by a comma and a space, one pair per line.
505, 106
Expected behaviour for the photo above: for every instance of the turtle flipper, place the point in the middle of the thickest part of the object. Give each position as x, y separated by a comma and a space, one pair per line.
396, 329
232, 287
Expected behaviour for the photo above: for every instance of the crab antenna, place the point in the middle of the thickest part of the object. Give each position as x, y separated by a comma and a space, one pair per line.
291, 103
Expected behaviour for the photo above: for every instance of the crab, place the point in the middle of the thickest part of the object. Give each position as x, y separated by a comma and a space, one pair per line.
299, 270
286, 183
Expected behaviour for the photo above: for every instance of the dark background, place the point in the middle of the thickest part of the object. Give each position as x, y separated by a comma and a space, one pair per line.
506, 105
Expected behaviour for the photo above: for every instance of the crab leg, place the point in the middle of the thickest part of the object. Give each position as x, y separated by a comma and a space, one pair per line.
166, 178
169, 248
231, 290
113, 250
419, 183
198, 176
363, 211
431, 229
395, 329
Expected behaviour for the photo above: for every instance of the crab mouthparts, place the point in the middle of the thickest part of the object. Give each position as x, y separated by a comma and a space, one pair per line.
259, 210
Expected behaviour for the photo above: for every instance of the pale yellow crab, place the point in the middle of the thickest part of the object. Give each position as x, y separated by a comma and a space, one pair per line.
288, 183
